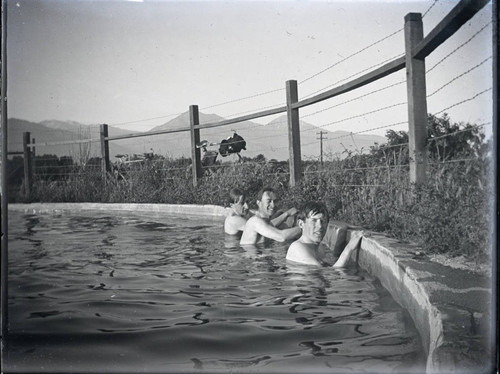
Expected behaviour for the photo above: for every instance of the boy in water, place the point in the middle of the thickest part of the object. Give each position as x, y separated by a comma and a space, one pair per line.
260, 226
239, 213
237, 216
313, 220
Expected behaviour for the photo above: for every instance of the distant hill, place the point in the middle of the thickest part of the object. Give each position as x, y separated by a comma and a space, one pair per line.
57, 131
271, 139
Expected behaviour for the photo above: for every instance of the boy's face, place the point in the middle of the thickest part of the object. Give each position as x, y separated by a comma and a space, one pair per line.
314, 227
266, 204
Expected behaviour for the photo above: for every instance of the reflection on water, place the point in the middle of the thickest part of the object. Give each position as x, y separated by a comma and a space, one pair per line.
174, 294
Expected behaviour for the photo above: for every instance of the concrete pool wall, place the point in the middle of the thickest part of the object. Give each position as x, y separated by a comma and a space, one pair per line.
450, 307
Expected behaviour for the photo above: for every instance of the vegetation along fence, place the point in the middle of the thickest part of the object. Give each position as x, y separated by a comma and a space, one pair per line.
417, 49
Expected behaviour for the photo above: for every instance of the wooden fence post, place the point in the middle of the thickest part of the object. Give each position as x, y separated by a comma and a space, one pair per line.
105, 166
28, 171
292, 97
417, 101
195, 139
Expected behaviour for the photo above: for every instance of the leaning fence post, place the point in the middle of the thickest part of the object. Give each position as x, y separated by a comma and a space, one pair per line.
292, 97
105, 168
28, 171
195, 139
417, 102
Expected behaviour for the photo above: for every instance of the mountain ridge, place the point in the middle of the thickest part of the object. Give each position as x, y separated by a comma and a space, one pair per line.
271, 139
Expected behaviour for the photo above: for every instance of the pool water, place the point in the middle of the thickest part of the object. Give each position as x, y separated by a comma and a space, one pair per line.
121, 292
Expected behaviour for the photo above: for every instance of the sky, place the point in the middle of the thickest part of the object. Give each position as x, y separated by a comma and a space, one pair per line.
137, 65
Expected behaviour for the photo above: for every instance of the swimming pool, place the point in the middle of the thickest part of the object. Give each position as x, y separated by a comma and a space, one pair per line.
121, 292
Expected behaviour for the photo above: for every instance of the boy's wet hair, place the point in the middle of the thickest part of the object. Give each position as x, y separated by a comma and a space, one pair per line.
310, 208
234, 196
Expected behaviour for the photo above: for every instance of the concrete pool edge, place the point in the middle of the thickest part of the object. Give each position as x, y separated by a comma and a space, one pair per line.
195, 210
450, 307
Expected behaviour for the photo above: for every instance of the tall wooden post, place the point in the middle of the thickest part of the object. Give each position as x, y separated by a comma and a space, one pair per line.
292, 96
28, 171
195, 139
105, 166
417, 101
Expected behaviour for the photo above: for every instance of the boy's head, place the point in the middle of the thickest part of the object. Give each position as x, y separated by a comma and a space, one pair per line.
313, 220
266, 201
237, 201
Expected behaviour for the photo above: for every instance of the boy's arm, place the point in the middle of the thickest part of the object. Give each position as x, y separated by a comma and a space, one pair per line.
283, 217
271, 232
353, 244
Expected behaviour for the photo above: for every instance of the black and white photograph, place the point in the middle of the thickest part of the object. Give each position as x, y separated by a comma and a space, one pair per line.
239, 186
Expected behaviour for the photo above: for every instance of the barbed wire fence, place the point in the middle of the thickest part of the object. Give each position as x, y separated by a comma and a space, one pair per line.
326, 114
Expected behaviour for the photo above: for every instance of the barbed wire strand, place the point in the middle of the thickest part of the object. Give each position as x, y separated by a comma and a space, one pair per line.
146, 119
370, 129
354, 99
457, 48
243, 98
429, 9
351, 55
458, 132
460, 76
453, 161
351, 76
356, 169
255, 110
463, 101
360, 115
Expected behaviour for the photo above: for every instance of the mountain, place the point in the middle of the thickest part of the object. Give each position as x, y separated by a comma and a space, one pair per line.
271, 139
79, 128
59, 131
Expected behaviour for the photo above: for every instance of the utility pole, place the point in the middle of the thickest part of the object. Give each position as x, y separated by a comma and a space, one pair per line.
321, 145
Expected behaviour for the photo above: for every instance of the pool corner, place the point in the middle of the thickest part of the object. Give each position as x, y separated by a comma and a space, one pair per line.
451, 308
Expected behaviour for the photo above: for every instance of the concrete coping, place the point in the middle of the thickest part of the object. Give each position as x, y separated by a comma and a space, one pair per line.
451, 308
214, 211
